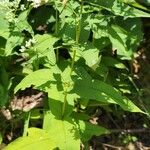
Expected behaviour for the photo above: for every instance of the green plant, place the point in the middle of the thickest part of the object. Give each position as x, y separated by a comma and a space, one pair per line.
72, 58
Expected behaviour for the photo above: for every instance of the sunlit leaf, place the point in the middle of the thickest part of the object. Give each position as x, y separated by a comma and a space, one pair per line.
36, 139
36, 78
44, 46
66, 133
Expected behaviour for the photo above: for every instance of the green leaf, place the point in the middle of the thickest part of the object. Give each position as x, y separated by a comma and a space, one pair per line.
118, 38
80, 116
4, 86
100, 91
2, 45
137, 5
119, 8
101, 43
111, 62
4, 24
4, 80
89, 53
36, 78
57, 84
61, 101
36, 139
87, 130
102, 70
22, 23
44, 47
129, 11
63, 132
133, 30
68, 32
98, 24
15, 38
1, 138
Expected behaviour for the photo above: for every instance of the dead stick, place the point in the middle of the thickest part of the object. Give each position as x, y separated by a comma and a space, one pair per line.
130, 130
112, 146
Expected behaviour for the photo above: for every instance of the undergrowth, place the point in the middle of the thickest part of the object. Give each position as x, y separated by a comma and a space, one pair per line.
80, 54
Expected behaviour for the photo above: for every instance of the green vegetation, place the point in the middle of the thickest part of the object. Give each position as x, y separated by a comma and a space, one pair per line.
79, 53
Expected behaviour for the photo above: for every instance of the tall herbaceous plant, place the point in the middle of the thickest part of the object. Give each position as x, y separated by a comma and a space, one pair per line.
75, 51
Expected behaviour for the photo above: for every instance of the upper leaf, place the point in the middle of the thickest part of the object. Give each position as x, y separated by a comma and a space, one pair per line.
89, 53
36, 78
15, 38
44, 46
4, 24
22, 23
120, 8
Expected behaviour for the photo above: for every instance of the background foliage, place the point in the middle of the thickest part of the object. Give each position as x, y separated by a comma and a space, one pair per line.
78, 52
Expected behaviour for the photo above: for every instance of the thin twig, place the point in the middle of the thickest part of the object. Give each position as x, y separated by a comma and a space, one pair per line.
130, 130
112, 146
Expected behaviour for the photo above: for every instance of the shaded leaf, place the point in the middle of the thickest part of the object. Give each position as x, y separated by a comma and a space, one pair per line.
111, 62
4, 86
100, 91
87, 130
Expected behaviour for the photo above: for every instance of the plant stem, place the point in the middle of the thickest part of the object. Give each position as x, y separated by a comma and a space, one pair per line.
64, 104
78, 27
56, 33
73, 60
78, 32
26, 123
56, 27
